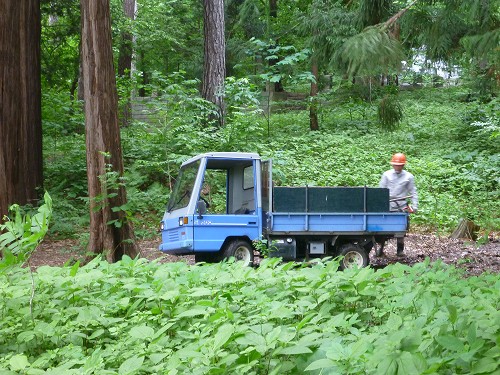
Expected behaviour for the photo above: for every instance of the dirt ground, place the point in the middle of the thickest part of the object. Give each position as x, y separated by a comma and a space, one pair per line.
474, 259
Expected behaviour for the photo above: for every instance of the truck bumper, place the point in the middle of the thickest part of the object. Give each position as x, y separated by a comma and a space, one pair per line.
177, 247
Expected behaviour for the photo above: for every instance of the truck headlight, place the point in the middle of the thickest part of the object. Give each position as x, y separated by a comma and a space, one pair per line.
183, 220
162, 225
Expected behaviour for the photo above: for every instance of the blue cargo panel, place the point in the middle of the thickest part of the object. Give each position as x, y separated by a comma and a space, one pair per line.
333, 222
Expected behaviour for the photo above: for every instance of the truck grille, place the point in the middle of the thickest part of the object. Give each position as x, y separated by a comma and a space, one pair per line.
173, 235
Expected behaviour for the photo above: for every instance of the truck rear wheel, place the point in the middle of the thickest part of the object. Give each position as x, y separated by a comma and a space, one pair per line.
241, 250
354, 256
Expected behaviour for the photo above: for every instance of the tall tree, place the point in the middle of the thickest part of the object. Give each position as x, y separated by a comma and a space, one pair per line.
125, 56
21, 168
325, 24
110, 230
214, 65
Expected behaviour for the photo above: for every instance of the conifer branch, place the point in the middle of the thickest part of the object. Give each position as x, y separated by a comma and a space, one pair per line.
387, 24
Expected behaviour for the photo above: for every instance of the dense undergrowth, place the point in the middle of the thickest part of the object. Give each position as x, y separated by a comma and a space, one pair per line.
451, 143
136, 316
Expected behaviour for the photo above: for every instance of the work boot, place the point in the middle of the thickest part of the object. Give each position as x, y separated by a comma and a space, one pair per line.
400, 247
379, 252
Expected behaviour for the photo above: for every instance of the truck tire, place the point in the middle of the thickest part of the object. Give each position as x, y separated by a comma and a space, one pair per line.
354, 256
241, 250
207, 257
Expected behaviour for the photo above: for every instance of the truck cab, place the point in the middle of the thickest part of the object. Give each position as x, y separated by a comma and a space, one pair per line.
215, 209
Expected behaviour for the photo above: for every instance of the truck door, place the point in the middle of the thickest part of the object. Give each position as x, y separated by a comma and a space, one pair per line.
230, 195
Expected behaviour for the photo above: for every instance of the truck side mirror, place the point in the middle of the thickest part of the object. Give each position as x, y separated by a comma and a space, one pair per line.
201, 208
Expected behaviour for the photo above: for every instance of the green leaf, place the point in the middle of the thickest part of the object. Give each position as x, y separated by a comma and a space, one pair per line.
25, 336
223, 334
394, 322
200, 292
450, 343
453, 313
157, 357
74, 269
142, 332
320, 364
191, 313
131, 365
485, 366
388, 366
97, 333
296, 349
411, 363
19, 362
275, 78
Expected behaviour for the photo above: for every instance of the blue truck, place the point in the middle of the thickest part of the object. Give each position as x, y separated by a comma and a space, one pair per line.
225, 203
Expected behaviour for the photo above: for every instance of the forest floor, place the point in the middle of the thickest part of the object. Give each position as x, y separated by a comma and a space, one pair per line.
474, 259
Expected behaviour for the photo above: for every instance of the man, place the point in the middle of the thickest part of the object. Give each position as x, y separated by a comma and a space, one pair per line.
401, 185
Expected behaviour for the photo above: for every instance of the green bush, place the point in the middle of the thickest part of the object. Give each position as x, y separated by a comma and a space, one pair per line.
136, 316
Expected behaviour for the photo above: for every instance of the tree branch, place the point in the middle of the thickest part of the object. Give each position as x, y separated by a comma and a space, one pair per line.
387, 24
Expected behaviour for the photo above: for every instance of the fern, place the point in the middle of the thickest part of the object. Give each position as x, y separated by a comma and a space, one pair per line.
22, 233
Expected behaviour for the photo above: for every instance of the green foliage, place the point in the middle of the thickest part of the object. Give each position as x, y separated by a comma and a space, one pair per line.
21, 233
135, 316
61, 115
390, 112
374, 51
451, 144
283, 61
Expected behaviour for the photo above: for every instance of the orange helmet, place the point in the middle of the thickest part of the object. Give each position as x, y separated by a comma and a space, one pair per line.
398, 159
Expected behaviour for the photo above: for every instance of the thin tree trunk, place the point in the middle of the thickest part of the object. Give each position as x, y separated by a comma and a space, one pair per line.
21, 168
214, 66
313, 106
111, 232
125, 59
273, 13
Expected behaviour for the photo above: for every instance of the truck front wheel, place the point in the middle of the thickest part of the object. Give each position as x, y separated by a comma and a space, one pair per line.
354, 256
241, 251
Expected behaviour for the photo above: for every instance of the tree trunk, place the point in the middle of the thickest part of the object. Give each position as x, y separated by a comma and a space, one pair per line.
466, 229
125, 59
21, 167
214, 65
273, 13
313, 106
111, 232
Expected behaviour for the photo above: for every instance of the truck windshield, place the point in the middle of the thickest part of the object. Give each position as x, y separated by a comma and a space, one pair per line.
183, 187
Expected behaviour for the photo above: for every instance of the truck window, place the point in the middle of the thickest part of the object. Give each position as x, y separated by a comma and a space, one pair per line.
248, 178
214, 191
183, 187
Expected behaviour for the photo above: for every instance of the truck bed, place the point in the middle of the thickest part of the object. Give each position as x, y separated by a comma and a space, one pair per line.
333, 210
336, 223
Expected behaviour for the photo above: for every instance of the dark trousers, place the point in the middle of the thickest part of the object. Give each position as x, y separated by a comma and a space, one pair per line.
400, 242
400, 245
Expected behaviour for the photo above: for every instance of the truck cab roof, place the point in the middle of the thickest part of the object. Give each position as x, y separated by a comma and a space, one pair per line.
224, 155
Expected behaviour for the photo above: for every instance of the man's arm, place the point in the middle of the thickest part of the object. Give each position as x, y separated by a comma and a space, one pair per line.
383, 181
414, 194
